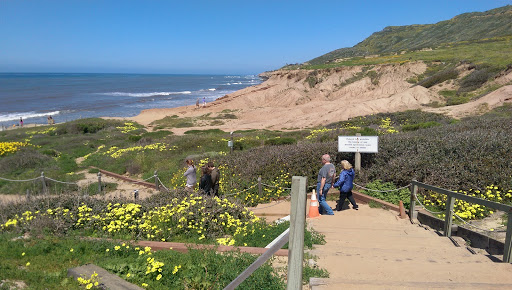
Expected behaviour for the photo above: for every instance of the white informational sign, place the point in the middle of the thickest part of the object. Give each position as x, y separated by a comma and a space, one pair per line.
230, 143
362, 144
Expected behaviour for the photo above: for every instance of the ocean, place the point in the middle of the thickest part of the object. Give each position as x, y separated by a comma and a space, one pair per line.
71, 96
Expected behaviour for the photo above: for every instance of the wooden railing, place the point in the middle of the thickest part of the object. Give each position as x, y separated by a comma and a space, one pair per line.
295, 237
451, 196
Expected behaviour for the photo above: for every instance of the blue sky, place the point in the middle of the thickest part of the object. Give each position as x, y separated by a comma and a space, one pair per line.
187, 36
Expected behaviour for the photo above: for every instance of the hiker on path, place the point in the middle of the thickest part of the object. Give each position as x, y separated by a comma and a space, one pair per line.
215, 174
190, 174
346, 183
324, 182
205, 184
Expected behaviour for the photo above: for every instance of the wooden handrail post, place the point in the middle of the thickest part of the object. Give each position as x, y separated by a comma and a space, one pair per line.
297, 222
448, 215
507, 251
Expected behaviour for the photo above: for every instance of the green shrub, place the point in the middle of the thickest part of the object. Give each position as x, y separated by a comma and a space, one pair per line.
134, 138
386, 191
457, 100
208, 131
280, 141
448, 93
439, 77
246, 144
475, 79
226, 116
157, 134
414, 127
184, 124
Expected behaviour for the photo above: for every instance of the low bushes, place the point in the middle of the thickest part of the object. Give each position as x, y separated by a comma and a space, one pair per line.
176, 217
387, 191
439, 77
414, 127
43, 262
476, 79
280, 141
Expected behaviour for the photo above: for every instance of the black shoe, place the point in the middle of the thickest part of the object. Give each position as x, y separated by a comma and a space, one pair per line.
356, 207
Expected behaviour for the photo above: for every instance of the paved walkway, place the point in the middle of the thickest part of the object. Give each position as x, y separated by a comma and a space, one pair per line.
371, 248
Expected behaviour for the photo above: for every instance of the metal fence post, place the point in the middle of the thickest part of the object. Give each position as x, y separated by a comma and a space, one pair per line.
99, 182
448, 216
507, 251
44, 182
157, 184
297, 222
414, 191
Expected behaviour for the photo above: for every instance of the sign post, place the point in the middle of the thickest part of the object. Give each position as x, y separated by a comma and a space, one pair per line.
358, 144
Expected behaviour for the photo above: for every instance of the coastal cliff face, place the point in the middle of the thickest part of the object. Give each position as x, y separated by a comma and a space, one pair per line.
291, 99
296, 99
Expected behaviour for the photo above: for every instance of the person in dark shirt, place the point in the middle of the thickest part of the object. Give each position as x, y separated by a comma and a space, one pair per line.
215, 174
205, 184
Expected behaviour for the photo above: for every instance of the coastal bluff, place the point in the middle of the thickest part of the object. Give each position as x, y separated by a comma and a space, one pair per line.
296, 99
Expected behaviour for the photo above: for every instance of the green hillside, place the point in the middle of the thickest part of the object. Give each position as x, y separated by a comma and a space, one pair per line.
470, 27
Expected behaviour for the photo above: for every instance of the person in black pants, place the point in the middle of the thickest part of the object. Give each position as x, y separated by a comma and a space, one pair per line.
346, 183
205, 184
215, 174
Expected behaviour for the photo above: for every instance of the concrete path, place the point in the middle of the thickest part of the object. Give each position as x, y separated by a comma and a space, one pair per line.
372, 248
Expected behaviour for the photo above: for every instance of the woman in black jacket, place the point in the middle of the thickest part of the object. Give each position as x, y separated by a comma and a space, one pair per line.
205, 184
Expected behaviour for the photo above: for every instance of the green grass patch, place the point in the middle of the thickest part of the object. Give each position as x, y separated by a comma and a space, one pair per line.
208, 131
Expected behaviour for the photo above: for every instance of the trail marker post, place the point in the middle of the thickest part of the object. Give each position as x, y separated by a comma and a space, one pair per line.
44, 182
230, 143
99, 182
157, 184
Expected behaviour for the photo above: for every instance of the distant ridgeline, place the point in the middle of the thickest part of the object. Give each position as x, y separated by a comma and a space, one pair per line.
468, 27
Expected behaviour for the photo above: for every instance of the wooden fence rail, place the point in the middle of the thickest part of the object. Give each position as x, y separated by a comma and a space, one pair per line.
451, 196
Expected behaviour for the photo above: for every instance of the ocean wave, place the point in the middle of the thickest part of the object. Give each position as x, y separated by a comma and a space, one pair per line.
144, 95
25, 115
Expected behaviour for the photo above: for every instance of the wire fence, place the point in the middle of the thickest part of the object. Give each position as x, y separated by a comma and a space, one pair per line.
159, 185
383, 191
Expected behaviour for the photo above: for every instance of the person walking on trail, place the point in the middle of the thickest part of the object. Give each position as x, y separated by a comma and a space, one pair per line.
215, 174
346, 183
197, 104
324, 182
205, 183
21, 122
204, 102
191, 176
